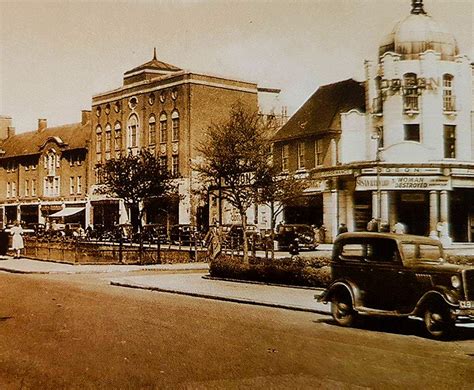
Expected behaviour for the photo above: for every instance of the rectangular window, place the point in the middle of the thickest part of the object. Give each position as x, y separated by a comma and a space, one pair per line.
449, 141
79, 185
108, 139
56, 186
164, 163
9, 190
285, 151
13, 189
33, 167
410, 92
448, 97
118, 140
175, 166
71, 185
152, 133
318, 151
412, 132
98, 146
300, 155
175, 129
33, 187
27, 188
163, 131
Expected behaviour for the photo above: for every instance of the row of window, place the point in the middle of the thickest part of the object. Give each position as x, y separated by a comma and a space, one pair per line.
51, 187
133, 134
412, 133
301, 155
29, 188
75, 185
12, 166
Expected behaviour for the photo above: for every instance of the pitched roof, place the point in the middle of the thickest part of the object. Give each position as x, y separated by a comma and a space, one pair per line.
318, 113
68, 137
154, 64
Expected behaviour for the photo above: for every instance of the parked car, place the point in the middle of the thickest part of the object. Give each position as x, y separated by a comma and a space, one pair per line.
286, 234
154, 232
234, 235
183, 234
384, 274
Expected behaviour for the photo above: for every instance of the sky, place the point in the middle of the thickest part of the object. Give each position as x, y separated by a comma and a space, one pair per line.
55, 55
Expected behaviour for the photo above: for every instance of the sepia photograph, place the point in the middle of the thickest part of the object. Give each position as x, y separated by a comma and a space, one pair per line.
237, 194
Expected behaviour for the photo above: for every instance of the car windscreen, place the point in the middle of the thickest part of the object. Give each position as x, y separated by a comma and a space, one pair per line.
421, 252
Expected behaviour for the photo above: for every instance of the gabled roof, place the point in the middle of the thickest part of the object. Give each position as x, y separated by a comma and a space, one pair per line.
68, 137
318, 113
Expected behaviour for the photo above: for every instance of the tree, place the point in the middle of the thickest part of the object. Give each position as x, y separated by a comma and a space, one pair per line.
136, 178
278, 192
235, 159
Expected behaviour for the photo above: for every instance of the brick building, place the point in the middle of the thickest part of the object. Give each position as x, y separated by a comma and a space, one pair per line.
165, 109
44, 172
402, 150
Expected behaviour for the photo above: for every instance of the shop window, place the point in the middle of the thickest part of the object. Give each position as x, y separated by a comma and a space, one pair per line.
285, 154
448, 97
449, 141
412, 132
300, 155
410, 93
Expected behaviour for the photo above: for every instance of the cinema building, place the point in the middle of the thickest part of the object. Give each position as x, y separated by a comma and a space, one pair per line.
398, 146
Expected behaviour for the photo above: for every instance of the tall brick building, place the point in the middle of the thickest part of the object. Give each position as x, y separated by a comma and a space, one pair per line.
165, 109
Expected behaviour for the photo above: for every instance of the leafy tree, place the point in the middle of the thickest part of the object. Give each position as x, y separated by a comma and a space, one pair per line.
235, 159
136, 178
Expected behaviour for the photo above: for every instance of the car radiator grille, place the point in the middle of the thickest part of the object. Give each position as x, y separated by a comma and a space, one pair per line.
468, 282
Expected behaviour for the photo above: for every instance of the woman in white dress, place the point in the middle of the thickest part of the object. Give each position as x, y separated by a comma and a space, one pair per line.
17, 241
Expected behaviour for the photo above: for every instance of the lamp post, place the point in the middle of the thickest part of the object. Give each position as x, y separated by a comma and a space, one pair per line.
378, 136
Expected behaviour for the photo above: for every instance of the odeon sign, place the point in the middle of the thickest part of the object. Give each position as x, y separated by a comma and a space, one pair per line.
367, 183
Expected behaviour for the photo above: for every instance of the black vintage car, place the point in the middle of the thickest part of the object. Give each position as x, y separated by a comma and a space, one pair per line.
286, 234
384, 274
183, 234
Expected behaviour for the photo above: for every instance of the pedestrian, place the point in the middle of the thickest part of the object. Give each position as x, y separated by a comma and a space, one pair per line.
373, 225
17, 239
342, 229
399, 228
322, 234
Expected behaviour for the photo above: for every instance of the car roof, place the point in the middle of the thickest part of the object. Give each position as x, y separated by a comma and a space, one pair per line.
401, 238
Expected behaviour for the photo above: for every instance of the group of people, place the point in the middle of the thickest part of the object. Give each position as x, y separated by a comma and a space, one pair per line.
374, 225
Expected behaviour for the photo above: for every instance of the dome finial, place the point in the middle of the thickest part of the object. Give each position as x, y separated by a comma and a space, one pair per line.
154, 53
417, 7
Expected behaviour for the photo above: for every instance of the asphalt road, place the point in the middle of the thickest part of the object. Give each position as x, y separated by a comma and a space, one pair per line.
77, 331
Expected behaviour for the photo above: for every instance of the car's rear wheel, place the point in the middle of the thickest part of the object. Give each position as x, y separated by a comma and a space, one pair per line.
438, 321
342, 309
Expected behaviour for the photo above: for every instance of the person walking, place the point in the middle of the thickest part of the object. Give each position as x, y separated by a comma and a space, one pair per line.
342, 229
17, 239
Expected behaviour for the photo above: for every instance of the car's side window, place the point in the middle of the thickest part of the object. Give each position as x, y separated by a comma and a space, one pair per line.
382, 251
352, 251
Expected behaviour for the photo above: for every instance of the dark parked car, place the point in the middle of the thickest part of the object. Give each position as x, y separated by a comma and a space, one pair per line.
287, 233
153, 232
235, 235
384, 274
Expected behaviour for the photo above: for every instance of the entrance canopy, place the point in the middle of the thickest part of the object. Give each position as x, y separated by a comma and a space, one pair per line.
67, 212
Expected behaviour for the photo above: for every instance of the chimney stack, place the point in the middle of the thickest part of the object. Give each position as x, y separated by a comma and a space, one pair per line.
10, 131
42, 125
86, 116
5, 124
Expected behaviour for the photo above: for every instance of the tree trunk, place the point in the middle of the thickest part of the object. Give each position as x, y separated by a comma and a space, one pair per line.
243, 217
272, 226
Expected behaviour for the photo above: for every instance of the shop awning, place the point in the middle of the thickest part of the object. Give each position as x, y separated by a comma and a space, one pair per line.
67, 212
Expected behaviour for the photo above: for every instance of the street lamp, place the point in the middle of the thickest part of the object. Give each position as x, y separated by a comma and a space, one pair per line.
378, 135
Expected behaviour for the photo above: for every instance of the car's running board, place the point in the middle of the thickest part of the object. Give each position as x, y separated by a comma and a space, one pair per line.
377, 312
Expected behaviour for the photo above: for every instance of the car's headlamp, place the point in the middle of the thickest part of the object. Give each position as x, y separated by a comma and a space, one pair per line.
455, 281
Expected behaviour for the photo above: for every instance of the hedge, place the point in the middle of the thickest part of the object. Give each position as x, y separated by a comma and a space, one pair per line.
297, 271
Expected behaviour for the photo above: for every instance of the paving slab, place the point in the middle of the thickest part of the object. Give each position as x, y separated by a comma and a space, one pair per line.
195, 284
28, 266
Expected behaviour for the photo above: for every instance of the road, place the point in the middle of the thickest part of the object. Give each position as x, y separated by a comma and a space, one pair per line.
77, 331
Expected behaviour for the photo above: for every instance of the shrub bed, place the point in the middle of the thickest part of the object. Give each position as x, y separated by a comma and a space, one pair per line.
297, 271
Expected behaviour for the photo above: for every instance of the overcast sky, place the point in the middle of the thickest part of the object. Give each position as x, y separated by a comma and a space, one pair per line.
55, 55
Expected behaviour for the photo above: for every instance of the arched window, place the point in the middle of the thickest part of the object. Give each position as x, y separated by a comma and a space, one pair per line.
108, 140
175, 126
98, 142
448, 96
152, 130
410, 92
163, 128
118, 138
133, 132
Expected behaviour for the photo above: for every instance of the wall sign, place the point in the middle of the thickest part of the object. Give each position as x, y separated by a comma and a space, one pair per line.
410, 183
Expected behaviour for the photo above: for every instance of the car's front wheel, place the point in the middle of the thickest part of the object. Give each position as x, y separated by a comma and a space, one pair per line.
438, 321
342, 309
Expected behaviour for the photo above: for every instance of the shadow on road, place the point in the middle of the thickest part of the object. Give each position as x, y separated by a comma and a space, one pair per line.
5, 318
402, 326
